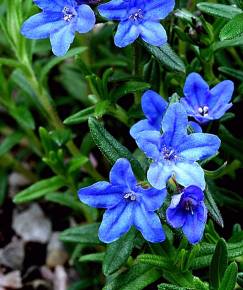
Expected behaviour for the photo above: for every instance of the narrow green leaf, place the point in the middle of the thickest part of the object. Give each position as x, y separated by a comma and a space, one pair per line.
164, 286
218, 264
234, 73
214, 174
3, 186
228, 43
39, 189
233, 29
111, 148
166, 57
212, 208
136, 278
56, 60
80, 117
219, 10
9, 142
154, 260
118, 252
85, 234
230, 277
240, 279
23, 117
127, 88
96, 257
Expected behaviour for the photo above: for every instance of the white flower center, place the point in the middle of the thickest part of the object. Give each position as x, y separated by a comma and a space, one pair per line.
203, 111
137, 15
130, 196
68, 13
169, 154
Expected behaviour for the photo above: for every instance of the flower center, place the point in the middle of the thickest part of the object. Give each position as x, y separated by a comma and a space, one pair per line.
203, 111
68, 13
130, 196
189, 205
169, 154
137, 15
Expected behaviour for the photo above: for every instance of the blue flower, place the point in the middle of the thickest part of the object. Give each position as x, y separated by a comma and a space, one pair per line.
203, 103
138, 18
154, 107
174, 152
59, 20
127, 204
188, 212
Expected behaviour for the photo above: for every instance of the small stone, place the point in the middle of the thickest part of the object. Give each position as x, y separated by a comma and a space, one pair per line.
31, 225
56, 254
11, 280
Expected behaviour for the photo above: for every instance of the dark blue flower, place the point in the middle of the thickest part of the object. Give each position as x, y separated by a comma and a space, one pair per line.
127, 204
59, 20
174, 152
154, 107
138, 18
188, 212
203, 103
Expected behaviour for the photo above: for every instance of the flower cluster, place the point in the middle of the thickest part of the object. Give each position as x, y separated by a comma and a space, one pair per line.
174, 152
61, 19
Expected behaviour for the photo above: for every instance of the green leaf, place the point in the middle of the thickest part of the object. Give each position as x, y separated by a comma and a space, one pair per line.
9, 142
136, 278
85, 234
23, 117
127, 88
166, 57
240, 279
214, 174
61, 136
164, 286
101, 108
39, 189
118, 252
96, 257
219, 10
56, 60
218, 264
230, 277
80, 117
233, 29
76, 163
234, 73
228, 43
212, 208
154, 260
111, 148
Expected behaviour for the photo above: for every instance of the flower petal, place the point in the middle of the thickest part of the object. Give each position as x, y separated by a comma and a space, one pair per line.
40, 26
114, 10
154, 107
158, 9
221, 95
149, 224
175, 217
121, 174
150, 142
194, 192
195, 127
193, 227
54, 5
85, 19
101, 194
189, 174
152, 198
196, 91
126, 33
158, 174
116, 222
199, 146
141, 126
62, 39
174, 125
153, 33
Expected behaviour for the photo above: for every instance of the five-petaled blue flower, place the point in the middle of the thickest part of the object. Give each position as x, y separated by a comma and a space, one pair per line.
188, 212
204, 104
138, 18
154, 108
59, 20
174, 152
127, 204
